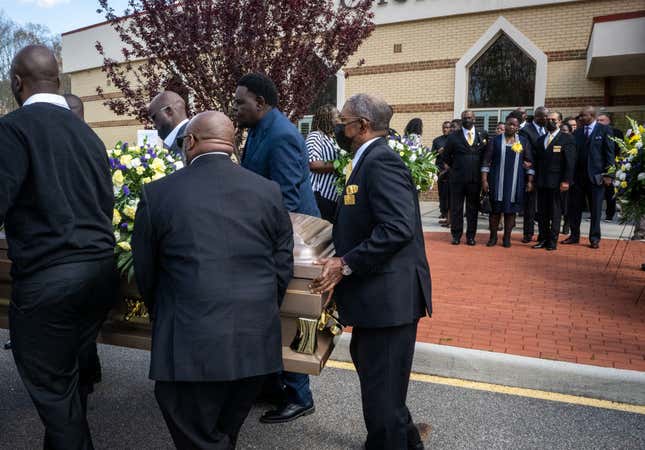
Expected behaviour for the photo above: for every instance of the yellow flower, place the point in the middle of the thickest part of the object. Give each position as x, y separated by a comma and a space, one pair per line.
116, 152
140, 170
158, 165
623, 184
641, 129
126, 159
635, 137
116, 218
130, 211
125, 245
517, 147
146, 180
158, 175
117, 178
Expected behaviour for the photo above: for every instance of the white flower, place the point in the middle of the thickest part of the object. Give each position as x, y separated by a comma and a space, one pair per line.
117, 235
146, 156
616, 183
639, 145
343, 152
179, 165
399, 146
413, 157
136, 162
628, 133
116, 190
418, 187
627, 166
641, 176
621, 175
170, 159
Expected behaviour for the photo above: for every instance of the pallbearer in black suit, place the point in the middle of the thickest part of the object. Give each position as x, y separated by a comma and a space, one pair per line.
168, 112
56, 202
381, 275
555, 157
532, 132
213, 256
595, 154
463, 155
505, 178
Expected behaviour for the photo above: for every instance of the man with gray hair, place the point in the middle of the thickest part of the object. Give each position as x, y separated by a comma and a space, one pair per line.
380, 277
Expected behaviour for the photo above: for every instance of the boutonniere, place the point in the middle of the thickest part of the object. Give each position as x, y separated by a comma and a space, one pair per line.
517, 147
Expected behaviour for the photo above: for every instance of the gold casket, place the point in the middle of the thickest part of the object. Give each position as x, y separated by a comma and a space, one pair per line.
312, 240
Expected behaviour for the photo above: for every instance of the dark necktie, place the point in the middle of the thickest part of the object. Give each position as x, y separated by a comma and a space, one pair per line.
587, 131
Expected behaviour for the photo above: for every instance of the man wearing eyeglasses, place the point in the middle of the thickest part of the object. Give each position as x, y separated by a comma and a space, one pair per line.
168, 112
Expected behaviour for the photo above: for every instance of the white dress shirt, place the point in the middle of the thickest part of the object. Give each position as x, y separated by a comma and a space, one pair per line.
359, 152
170, 139
539, 129
208, 153
591, 126
472, 130
53, 99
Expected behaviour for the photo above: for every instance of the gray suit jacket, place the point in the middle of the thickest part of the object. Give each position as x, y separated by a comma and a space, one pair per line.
213, 254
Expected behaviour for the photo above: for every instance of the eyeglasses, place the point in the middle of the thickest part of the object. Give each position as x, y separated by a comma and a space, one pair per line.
180, 139
343, 119
154, 115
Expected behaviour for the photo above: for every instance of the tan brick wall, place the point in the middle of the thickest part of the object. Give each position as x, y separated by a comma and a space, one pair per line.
567, 79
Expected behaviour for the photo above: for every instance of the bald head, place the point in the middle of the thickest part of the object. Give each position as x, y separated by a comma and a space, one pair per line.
34, 70
210, 131
167, 110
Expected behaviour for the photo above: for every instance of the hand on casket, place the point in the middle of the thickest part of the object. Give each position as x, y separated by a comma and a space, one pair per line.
330, 276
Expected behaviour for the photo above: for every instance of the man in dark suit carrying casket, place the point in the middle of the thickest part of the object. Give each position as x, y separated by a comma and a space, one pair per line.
380, 275
212, 249
555, 158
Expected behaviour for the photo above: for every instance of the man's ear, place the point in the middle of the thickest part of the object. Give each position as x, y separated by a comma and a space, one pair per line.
261, 102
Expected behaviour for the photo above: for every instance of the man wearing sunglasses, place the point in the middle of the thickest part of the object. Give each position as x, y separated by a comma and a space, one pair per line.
168, 112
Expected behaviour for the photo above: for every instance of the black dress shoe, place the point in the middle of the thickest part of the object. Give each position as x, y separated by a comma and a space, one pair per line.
470, 241
7, 345
492, 242
594, 244
569, 241
551, 247
289, 412
540, 244
527, 239
455, 241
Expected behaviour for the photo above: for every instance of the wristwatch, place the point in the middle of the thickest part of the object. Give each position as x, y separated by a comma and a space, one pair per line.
345, 269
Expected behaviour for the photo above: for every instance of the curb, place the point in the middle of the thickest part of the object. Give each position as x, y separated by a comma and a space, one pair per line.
625, 386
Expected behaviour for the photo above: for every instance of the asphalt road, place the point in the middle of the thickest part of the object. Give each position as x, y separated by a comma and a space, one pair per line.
124, 415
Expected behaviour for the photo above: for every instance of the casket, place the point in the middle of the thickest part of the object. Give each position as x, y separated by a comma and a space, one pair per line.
312, 240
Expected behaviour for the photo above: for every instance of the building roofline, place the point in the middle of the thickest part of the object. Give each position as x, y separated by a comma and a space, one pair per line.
620, 16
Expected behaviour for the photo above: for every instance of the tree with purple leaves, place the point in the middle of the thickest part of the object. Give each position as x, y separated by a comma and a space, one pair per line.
200, 48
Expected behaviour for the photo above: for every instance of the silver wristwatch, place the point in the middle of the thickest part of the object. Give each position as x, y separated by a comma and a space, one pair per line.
345, 269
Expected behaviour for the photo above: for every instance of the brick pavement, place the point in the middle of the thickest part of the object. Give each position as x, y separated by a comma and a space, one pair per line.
561, 305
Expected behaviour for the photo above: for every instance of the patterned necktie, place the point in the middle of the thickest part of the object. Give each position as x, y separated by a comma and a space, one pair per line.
470, 138
549, 140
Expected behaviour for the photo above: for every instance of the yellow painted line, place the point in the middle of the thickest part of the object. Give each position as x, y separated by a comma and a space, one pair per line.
508, 390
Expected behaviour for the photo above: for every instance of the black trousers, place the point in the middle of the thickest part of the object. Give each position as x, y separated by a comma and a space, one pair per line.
579, 192
327, 207
206, 415
444, 194
611, 202
530, 210
383, 360
460, 192
550, 205
55, 316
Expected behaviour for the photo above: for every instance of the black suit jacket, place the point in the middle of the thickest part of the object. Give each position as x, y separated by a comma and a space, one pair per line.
556, 163
175, 147
381, 239
530, 133
465, 160
213, 254
595, 154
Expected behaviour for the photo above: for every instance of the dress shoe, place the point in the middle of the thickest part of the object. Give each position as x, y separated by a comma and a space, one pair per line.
7, 345
289, 412
594, 244
540, 244
470, 241
424, 436
551, 247
507, 243
455, 241
527, 239
566, 229
569, 241
492, 242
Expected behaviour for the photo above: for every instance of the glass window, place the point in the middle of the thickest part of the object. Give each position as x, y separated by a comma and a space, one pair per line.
502, 76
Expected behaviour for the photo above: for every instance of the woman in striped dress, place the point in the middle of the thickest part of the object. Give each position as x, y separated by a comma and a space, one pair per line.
323, 150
